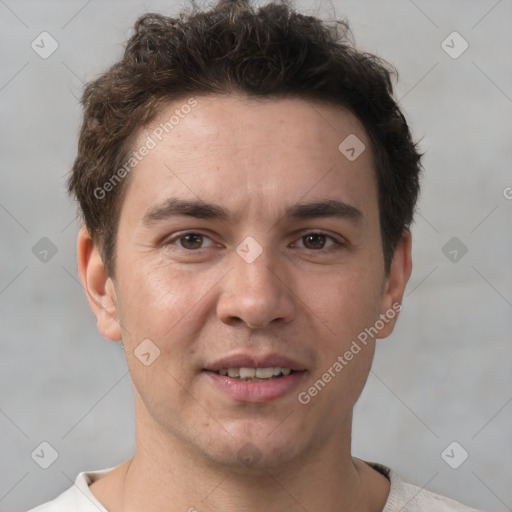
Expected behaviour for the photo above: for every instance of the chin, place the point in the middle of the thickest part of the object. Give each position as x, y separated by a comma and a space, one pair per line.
249, 458
257, 448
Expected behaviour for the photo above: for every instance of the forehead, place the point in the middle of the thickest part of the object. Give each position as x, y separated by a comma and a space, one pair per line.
252, 153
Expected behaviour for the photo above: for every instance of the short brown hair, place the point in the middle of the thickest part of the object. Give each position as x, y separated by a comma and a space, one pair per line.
269, 52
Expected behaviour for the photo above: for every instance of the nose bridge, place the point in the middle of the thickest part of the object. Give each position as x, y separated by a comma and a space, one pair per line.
255, 271
253, 292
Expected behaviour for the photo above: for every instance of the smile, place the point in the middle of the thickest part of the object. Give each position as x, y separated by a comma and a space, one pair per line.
255, 374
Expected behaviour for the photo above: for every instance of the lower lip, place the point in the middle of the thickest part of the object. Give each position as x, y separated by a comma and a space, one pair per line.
257, 391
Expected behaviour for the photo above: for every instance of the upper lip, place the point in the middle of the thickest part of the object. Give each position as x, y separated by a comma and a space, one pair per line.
254, 361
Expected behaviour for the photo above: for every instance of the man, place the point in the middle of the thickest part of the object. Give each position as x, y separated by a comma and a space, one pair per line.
247, 183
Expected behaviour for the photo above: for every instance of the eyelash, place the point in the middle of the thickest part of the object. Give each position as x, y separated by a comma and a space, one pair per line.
337, 243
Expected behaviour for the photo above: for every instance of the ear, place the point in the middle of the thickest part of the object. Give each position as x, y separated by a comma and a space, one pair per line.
99, 288
396, 281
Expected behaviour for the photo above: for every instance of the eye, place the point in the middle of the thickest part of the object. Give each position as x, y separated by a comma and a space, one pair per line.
317, 241
192, 241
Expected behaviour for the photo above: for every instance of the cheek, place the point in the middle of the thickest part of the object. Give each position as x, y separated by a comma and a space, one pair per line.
347, 302
159, 312
157, 298
347, 306
170, 308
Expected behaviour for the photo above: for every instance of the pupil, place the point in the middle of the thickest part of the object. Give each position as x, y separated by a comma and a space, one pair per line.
315, 241
192, 241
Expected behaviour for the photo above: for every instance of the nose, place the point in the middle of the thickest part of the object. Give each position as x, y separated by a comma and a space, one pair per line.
256, 294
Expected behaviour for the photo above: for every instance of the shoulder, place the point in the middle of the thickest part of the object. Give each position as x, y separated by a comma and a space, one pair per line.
65, 502
77, 498
406, 497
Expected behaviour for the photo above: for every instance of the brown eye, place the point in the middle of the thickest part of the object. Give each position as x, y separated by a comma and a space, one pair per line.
314, 241
192, 241
318, 242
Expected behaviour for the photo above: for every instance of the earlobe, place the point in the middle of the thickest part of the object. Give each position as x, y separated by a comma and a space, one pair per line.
98, 286
399, 273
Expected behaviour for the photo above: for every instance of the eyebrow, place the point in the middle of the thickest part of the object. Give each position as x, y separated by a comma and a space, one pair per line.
329, 208
179, 207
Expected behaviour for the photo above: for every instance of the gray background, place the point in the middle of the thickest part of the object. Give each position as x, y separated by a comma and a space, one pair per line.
445, 374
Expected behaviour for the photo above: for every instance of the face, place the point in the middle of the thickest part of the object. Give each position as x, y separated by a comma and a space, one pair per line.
249, 258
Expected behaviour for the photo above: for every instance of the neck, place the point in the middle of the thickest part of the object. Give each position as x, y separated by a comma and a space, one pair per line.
165, 475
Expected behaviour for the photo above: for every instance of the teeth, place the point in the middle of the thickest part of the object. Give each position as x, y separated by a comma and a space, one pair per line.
247, 373
252, 374
264, 373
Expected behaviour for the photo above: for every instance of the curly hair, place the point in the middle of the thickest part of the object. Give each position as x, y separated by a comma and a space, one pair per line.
270, 52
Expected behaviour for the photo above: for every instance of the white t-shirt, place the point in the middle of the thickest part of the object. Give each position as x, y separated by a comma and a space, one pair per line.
403, 496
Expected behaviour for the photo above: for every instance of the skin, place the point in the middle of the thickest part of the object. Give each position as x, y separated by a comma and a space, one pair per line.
306, 298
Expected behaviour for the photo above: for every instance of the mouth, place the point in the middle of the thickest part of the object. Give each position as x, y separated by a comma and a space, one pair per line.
255, 374
256, 378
